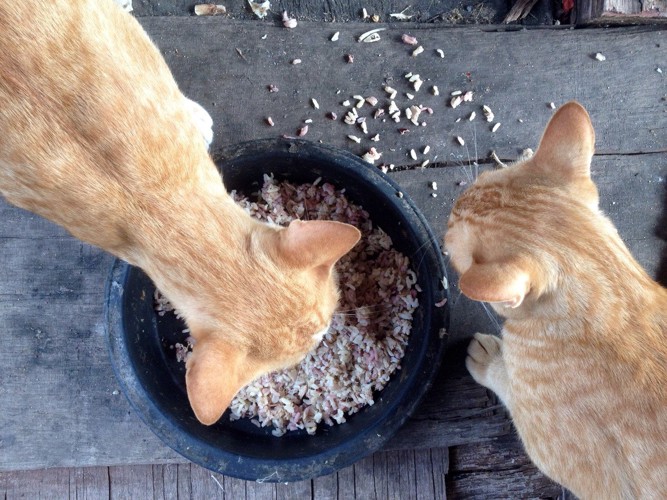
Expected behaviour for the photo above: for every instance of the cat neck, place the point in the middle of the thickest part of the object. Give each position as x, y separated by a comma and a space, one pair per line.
196, 242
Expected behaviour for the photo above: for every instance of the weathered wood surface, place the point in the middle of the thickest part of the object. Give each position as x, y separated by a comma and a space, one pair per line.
59, 400
447, 11
490, 470
516, 74
620, 11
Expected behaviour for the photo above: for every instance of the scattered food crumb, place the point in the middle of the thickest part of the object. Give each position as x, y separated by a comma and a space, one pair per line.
296, 61
495, 127
288, 22
472, 116
409, 39
417, 51
435, 90
371, 36
210, 9
269, 120
441, 53
460, 140
600, 57
372, 156
441, 303
349, 58
354, 138
334, 37
315, 104
413, 154
552, 105
302, 131
401, 16
260, 9
488, 114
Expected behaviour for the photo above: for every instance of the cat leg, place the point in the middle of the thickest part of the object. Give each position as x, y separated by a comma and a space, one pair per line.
485, 364
202, 120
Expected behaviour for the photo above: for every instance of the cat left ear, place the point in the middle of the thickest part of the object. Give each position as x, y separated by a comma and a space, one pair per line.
318, 242
498, 282
568, 143
214, 374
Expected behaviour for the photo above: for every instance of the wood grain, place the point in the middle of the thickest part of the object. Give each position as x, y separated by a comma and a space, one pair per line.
517, 74
621, 11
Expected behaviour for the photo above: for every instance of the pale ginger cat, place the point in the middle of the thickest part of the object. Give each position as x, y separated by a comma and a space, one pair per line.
96, 136
582, 364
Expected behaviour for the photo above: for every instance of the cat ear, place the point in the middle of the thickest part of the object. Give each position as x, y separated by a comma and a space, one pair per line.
318, 242
568, 143
499, 282
214, 374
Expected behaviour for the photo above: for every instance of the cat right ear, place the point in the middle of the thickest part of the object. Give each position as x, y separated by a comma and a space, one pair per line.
317, 243
568, 143
506, 283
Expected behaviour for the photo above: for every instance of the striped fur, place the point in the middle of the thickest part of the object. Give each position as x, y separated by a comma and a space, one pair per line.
582, 364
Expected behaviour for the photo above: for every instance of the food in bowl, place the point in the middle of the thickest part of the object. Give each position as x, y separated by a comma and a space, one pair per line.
368, 333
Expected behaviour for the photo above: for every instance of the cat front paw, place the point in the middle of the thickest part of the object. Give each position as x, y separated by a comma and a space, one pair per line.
202, 119
485, 362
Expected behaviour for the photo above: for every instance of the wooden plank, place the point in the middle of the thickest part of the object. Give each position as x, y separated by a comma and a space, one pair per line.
184, 478
205, 484
621, 11
497, 468
447, 11
364, 481
440, 469
127, 482
260, 491
502, 68
165, 481
326, 487
53, 484
86, 482
297, 490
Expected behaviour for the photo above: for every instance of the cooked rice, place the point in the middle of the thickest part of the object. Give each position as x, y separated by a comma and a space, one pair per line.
368, 334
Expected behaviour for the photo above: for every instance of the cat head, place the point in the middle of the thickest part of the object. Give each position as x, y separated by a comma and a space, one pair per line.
284, 295
509, 232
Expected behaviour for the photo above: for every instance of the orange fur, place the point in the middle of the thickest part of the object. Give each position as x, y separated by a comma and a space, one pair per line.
96, 136
582, 364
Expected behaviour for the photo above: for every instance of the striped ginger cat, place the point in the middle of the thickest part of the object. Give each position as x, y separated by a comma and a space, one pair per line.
96, 136
582, 363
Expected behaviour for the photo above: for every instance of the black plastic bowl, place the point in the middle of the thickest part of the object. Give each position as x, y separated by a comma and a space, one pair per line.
154, 382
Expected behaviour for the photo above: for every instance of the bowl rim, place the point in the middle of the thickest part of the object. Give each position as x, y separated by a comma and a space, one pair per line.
328, 460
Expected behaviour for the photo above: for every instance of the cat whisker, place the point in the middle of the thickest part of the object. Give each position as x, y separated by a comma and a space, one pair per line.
491, 316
